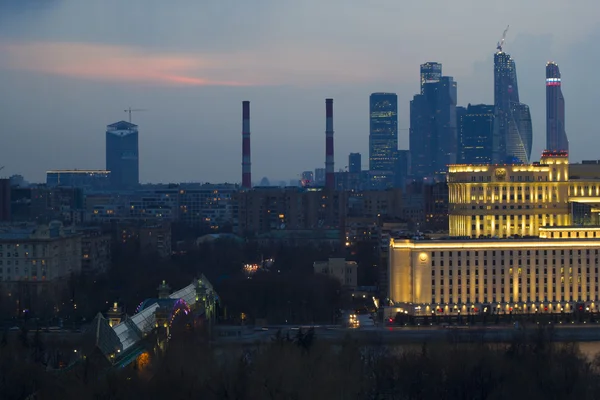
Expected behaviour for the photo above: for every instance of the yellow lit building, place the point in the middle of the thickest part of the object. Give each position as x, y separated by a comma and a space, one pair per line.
508, 200
512, 247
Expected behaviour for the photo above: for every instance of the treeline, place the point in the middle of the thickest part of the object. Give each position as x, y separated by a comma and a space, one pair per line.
302, 367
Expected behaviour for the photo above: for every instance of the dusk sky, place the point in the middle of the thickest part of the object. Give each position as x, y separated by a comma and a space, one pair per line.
70, 67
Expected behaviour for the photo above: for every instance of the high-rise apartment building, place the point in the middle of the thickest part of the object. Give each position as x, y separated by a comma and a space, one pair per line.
433, 129
122, 157
354, 163
513, 133
431, 72
475, 134
556, 137
383, 135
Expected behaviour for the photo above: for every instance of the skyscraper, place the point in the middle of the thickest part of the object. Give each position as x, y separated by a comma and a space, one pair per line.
430, 72
383, 135
512, 132
122, 155
354, 163
476, 132
433, 134
556, 137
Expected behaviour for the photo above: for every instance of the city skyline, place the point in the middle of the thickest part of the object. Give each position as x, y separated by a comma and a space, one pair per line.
193, 102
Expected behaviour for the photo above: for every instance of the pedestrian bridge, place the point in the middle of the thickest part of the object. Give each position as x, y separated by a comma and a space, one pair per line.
120, 337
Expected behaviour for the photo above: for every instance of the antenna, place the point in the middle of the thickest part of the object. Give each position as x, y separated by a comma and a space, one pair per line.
501, 42
130, 110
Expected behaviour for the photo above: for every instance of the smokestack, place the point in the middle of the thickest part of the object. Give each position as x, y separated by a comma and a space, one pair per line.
246, 169
329, 177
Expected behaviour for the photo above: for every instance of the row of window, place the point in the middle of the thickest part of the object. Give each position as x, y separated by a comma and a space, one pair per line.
511, 253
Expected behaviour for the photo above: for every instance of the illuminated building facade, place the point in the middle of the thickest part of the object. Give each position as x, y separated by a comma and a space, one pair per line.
511, 249
383, 134
507, 200
513, 136
556, 137
526, 275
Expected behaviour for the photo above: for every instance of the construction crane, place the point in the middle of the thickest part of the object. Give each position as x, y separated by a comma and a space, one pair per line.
130, 110
501, 42
1, 168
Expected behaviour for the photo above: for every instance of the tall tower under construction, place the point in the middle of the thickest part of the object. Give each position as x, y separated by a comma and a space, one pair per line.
513, 135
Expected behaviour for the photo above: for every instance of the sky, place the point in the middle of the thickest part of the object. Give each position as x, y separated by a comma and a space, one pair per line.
68, 68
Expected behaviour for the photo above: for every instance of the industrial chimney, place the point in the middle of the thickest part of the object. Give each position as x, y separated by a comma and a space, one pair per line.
246, 169
329, 177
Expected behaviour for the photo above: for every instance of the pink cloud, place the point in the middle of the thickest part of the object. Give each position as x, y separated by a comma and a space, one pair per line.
114, 63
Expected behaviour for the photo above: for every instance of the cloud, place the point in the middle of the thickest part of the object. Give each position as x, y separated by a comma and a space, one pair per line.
302, 66
113, 63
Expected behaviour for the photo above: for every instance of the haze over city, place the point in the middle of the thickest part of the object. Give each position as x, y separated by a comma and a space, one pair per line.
69, 68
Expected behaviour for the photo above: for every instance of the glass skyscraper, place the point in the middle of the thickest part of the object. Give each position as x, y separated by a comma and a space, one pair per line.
354, 163
513, 133
556, 137
475, 132
122, 155
383, 133
431, 72
433, 129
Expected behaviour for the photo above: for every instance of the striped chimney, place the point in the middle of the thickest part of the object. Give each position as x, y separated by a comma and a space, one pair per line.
329, 177
246, 166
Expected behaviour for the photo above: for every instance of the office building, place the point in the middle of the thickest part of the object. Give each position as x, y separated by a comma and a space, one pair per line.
122, 155
433, 129
512, 248
88, 179
431, 72
556, 137
513, 134
475, 133
508, 200
354, 163
383, 136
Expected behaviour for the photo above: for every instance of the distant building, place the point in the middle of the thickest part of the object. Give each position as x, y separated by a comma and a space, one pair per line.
122, 155
383, 137
402, 171
431, 72
433, 130
156, 238
5, 199
556, 137
88, 179
513, 135
344, 271
476, 134
308, 178
38, 253
320, 176
268, 209
354, 163
95, 251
